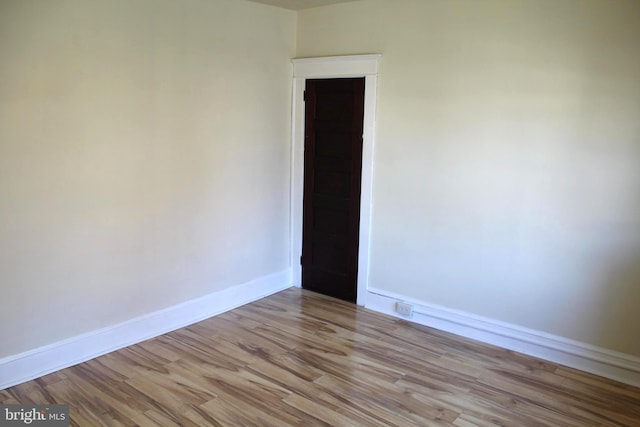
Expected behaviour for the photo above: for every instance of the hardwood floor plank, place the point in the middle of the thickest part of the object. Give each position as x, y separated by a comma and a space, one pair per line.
152, 418
550, 391
298, 358
257, 400
466, 420
225, 413
84, 408
390, 403
7, 399
324, 415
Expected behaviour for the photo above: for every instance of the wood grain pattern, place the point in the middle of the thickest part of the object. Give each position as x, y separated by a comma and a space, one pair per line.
299, 358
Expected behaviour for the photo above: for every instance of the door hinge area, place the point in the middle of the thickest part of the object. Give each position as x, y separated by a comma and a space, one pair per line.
300, 259
304, 95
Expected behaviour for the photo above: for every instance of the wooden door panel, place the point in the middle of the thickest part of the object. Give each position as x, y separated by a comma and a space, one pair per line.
334, 113
336, 184
330, 253
331, 164
331, 220
333, 143
328, 283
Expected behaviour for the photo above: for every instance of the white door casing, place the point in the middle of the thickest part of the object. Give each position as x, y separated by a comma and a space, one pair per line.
334, 67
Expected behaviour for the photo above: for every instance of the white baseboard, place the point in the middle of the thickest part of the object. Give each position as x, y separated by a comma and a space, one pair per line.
585, 357
35, 363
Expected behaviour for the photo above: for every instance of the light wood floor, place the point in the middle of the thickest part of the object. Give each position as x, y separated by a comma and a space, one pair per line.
297, 358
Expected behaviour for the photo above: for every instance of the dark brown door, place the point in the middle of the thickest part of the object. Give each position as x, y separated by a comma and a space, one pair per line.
334, 111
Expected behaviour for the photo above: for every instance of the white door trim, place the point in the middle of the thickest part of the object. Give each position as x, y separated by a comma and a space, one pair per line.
333, 67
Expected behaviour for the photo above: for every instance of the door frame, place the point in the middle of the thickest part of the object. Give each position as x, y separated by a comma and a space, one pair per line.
333, 67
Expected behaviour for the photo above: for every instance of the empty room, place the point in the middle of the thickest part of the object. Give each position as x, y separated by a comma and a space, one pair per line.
320, 212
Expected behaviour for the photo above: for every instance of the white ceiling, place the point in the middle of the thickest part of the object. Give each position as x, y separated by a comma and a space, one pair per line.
300, 4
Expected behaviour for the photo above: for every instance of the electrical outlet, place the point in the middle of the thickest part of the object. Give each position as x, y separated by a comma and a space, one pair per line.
404, 309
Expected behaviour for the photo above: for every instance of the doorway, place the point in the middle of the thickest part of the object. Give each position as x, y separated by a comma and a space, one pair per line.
334, 113
328, 68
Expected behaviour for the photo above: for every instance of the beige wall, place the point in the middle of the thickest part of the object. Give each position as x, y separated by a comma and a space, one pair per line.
507, 165
144, 157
